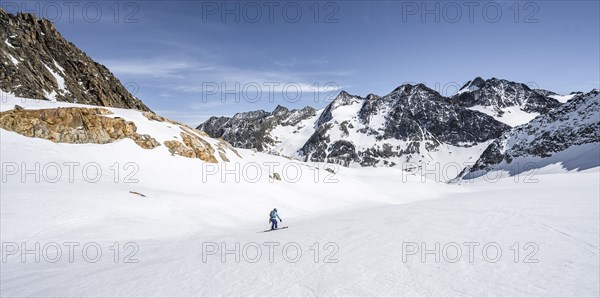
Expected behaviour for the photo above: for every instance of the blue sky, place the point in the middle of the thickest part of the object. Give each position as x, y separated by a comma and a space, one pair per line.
179, 56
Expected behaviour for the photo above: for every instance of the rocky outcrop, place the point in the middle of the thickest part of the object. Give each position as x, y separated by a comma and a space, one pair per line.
73, 125
37, 62
192, 147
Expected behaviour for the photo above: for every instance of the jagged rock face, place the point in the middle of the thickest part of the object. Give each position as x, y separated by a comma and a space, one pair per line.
251, 129
315, 148
37, 62
544, 92
419, 113
576, 122
73, 125
342, 152
499, 94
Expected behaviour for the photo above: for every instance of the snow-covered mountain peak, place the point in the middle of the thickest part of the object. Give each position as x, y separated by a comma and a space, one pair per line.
280, 111
472, 85
344, 98
251, 115
372, 96
344, 103
408, 95
509, 102
405, 88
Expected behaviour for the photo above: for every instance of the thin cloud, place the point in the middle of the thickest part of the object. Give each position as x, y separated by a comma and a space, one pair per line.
151, 67
286, 63
296, 62
239, 79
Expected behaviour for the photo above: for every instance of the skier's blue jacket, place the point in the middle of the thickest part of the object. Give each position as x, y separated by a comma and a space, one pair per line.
274, 215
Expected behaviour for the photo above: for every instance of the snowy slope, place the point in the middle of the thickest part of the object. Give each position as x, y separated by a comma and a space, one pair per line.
512, 116
170, 228
360, 217
160, 175
289, 138
565, 98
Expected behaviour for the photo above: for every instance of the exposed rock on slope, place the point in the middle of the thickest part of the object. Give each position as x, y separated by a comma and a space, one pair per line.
192, 147
37, 62
575, 123
195, 146
73, 125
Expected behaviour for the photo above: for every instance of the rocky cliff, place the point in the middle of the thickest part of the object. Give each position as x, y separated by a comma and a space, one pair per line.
37, 62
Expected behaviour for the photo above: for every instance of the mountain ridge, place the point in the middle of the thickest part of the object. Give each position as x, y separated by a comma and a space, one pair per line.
36, 61
412, 123
406, 124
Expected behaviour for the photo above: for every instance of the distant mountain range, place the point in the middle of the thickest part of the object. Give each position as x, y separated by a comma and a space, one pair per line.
411, 124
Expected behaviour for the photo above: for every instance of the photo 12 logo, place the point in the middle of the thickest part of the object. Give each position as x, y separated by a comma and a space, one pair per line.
450, 171
253, 172
269, 11
254, 92
73, 11
54, 252
469, 11
453, 252
253, 252
53, 172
